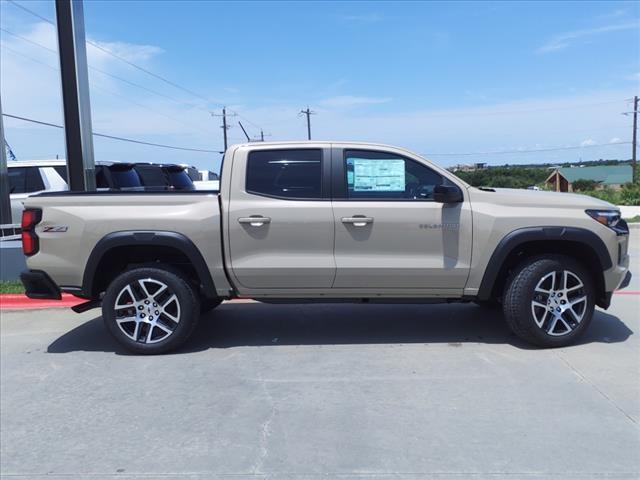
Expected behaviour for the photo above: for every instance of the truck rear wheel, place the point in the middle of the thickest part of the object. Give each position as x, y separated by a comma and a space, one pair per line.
548, 301
150, 310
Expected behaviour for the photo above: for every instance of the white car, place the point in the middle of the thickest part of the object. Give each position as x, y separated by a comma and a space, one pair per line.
27, 177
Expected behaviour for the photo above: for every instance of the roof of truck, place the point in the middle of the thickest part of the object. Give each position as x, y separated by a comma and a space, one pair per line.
36, 163
313, 142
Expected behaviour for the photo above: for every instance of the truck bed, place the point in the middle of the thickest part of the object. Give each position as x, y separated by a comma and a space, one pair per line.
77, 221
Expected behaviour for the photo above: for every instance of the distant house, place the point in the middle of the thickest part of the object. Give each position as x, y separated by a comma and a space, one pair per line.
468, 167
611, 176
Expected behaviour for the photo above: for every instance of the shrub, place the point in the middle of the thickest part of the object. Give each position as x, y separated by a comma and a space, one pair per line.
584, 185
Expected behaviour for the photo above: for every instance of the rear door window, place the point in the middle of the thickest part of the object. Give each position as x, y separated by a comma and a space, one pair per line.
17, 180
288, 174
34, 181
25, 180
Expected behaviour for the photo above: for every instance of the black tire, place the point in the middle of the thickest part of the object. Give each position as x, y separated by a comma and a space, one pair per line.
208, 304
521, 314
159, 335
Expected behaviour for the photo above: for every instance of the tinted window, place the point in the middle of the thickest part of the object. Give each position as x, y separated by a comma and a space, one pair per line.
380, 175
101, 177
179, 179
124, 177
285, 173
34, 180
62, 171
151, 175
25, 180
192, 173
17, 180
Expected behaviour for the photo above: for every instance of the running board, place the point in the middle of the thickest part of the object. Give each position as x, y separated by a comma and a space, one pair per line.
83, 307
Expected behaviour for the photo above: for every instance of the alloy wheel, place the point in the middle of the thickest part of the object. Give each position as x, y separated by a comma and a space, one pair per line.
559, 302
147, 311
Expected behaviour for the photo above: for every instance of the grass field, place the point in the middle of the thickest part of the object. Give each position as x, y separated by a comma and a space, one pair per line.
11, 287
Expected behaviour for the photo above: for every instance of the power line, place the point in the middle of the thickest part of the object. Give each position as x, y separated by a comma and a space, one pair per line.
29, 41
115, 55
113, 137
16, 4
552, 149
130, 63
108, 92
509, 112
142, 87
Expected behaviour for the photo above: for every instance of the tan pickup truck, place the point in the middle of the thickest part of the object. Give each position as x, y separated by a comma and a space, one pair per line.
326, 222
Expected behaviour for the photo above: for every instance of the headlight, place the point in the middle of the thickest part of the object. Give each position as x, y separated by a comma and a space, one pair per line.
611, 219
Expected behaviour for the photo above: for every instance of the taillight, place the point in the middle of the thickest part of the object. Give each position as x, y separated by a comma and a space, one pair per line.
30, 218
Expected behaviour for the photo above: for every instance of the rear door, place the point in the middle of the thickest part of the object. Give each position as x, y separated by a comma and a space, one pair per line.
280, 221
391, 236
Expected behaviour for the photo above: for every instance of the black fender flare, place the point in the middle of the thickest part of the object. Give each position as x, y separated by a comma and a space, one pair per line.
148, 238
530, 234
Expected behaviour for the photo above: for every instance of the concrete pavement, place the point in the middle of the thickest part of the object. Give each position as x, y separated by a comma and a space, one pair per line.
331, 391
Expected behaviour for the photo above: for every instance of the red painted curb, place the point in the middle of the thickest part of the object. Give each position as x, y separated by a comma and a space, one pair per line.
627, 292
16, 301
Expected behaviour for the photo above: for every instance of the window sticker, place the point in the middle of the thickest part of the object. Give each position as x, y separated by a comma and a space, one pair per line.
377, 175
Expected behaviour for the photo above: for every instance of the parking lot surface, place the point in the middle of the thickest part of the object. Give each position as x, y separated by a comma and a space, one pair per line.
322, 391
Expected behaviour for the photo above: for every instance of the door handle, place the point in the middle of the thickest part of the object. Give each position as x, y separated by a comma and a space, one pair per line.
255, 221
357, 220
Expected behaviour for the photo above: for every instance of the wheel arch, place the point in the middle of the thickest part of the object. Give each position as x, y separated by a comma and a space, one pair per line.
121, 249
579, 243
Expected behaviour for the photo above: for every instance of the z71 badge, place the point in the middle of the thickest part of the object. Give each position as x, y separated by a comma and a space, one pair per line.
55, 229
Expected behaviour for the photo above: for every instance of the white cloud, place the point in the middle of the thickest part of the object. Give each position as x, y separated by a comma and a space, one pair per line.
128, 51
351, 101
620, 12
564, 40
587, 142
615, 140
32, 90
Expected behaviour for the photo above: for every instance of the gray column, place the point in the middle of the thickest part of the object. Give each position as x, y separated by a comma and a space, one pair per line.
75, 95
5, 201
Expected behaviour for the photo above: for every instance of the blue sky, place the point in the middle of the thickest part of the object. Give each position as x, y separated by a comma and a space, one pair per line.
437, 78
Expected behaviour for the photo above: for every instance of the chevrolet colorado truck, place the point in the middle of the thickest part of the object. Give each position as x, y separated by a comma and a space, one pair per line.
325, 222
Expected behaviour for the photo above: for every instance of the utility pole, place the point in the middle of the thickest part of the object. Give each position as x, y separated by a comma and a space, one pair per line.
262, 135
308, 113
635, 138
224, 126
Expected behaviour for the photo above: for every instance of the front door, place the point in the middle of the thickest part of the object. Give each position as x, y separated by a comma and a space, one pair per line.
280, 220
391, 236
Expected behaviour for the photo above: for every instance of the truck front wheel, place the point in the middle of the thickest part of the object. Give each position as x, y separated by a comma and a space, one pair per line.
548, 301
150, 310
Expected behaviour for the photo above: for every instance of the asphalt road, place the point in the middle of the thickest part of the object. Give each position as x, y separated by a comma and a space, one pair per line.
321, 391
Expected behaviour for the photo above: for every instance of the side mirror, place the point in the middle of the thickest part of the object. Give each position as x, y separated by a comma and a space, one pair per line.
447, 194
